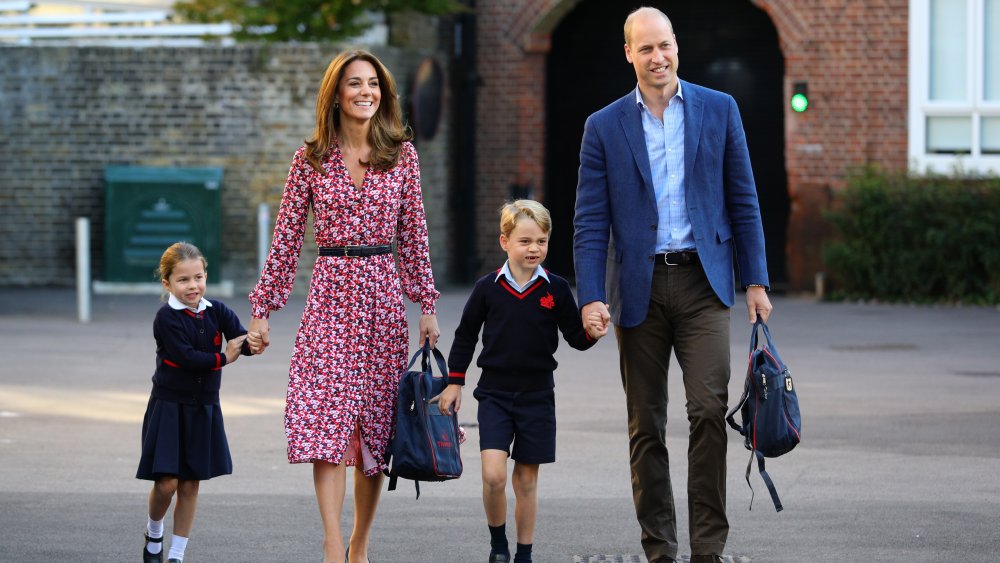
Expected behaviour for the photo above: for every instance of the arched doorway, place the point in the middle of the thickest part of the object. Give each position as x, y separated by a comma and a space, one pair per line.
728, 45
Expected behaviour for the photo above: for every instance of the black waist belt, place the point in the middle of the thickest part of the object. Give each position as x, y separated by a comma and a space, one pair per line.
682, 258
355, 250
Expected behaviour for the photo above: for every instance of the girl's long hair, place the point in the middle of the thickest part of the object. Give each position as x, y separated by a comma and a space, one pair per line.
387, 131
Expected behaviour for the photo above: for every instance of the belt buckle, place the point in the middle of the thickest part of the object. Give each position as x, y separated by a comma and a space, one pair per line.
666, 259
347, 249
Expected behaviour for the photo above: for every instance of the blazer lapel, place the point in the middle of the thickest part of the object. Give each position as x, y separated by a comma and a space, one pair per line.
693, 110
631, 121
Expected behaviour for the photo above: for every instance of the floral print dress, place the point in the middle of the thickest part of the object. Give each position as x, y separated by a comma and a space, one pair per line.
352, 342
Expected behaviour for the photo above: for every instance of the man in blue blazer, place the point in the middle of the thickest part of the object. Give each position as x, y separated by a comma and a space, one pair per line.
665, 202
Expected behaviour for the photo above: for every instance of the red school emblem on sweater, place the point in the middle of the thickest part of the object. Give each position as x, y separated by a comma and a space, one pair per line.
548, 301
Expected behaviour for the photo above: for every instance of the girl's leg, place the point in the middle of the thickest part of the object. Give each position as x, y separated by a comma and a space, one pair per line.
160, 496
187, 503
495, 486
331, 482
525, 484
367, 491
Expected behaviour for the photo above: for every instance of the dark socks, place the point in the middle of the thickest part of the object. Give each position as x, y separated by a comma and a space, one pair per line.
523, 554
498, 539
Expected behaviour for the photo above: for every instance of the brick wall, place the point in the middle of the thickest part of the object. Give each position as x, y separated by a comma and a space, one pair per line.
853, 55
66, 113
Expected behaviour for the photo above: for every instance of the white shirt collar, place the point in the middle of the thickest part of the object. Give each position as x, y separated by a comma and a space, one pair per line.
175, 303
505, 272
638, 93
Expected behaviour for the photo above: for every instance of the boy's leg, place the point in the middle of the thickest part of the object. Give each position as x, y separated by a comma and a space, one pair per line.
525, 483
495, 486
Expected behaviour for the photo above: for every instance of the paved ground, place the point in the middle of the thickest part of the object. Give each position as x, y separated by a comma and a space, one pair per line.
900, 459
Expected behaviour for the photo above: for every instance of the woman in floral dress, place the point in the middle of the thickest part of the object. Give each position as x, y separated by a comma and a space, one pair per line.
360, 176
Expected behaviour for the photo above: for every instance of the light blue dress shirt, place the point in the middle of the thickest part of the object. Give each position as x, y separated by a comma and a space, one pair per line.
665, 146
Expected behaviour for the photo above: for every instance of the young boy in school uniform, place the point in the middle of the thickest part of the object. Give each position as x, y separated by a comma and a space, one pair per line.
520, 308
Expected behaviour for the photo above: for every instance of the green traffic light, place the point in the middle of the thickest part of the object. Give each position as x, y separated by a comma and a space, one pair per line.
800, 102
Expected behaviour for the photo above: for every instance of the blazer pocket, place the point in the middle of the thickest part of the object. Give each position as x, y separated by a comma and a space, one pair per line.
724, 233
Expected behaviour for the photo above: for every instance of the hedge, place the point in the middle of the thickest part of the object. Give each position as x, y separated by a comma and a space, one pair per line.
920, 239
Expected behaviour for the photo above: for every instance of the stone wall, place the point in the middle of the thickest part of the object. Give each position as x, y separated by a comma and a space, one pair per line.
68, 112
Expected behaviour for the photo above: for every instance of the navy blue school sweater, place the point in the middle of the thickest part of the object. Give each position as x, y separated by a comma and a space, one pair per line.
520, 333
188, 360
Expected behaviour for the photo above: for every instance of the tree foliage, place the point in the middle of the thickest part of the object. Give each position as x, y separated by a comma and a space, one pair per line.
302, 20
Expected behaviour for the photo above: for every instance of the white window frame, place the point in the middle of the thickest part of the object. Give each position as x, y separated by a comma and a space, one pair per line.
974, 106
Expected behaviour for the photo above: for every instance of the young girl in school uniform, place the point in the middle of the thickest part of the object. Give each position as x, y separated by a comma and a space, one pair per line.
183, 438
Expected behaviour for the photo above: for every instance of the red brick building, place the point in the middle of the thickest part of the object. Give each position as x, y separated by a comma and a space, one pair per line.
544, 65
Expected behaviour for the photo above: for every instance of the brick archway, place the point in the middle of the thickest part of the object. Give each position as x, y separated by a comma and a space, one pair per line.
854, 60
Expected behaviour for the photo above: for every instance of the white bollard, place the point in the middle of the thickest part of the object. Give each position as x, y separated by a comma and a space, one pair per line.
263, 235
83, 269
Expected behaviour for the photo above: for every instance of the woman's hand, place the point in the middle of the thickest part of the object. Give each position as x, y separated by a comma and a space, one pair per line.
428, 330
258, 336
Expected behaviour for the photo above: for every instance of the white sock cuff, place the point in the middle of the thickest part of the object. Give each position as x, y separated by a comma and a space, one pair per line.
154, 528
177, 546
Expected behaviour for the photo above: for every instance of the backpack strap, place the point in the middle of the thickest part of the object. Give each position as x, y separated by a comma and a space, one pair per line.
766, 478
739, 404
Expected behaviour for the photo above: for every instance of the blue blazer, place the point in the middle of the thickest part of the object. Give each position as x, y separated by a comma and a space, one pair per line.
616, 218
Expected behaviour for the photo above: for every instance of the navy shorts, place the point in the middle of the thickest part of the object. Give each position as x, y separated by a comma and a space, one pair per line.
526, 419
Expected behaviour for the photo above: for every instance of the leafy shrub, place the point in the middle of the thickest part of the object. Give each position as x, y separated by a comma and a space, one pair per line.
916, 238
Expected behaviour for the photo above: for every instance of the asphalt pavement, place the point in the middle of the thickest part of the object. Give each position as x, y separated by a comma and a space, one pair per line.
900, 458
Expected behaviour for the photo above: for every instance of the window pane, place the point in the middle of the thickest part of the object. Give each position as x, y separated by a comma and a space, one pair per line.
949, 135
991, 135
991, 55
948, 56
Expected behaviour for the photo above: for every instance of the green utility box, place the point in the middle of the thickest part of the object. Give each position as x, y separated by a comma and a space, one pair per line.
147, 209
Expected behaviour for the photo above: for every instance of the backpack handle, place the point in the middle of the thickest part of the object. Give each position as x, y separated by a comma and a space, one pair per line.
424, 353
770, 347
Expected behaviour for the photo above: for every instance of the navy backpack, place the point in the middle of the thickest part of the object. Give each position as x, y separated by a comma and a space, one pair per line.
769, 409
425, 444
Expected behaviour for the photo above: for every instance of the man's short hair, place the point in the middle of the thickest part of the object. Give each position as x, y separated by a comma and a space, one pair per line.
645, 10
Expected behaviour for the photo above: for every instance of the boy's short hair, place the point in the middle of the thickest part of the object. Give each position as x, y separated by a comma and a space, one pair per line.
512, 212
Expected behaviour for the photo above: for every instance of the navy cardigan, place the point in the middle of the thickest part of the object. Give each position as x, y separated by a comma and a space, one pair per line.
188, 361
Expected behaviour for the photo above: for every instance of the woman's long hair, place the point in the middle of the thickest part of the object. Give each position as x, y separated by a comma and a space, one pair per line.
387, 131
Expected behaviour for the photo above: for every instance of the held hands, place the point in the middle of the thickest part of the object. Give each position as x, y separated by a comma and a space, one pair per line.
233, 348
595, 317
451, 396
595, 325
258, 335
758, 304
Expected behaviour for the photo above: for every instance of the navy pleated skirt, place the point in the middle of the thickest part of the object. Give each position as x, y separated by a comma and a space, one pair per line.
187, 441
